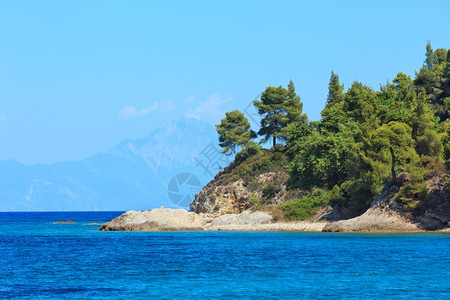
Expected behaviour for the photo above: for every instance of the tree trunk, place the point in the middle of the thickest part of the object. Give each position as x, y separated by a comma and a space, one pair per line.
274, 141
394, 176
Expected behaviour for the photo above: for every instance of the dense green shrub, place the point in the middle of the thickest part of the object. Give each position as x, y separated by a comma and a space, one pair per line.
306, 206
257, 165
270, 190
255, 200
252, 149
356, 195
410, 195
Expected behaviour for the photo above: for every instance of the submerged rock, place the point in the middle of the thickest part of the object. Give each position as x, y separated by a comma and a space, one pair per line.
64, 222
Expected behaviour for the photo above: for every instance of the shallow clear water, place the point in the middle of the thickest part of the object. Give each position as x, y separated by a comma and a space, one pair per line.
39, 259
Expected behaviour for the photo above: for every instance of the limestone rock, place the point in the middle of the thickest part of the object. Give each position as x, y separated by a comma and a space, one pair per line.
161, 219
181, 220
375, 219
246, 218
220, 199
223, 196
382, 216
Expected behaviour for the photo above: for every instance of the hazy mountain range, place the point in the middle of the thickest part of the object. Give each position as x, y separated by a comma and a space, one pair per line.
166, 168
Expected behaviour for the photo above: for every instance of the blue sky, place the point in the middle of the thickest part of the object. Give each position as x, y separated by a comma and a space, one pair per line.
77, 77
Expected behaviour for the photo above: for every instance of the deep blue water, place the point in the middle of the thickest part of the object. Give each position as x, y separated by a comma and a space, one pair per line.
39, 259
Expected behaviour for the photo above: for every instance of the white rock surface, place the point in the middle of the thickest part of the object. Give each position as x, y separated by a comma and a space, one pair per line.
375, 219
161, 219
246, 218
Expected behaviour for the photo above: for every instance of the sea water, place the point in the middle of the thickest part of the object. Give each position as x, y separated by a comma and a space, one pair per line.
40, 259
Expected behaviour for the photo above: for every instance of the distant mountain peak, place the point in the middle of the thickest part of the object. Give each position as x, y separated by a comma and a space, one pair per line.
179, 140
132, 175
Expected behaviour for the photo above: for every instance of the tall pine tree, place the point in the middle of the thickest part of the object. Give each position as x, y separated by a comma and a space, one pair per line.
234, 131
279, 108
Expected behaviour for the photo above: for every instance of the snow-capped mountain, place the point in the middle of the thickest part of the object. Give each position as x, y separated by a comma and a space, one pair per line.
170, 164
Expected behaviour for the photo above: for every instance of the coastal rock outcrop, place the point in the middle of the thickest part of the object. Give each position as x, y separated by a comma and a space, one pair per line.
219, 199
226, 204
434, 213
386, 214
162, 219
375, 219
246, 218
228, 194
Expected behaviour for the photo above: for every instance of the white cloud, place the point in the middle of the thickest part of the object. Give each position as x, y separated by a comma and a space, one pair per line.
132, 111
212, 109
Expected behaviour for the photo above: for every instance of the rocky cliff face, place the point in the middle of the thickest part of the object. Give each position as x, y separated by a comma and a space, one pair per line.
231, 193
383, 215
388, 214
434, 212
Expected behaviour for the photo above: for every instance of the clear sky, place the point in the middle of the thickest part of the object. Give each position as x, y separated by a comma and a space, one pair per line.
77, 77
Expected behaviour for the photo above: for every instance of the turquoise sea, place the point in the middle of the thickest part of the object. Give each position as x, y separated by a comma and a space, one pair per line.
42, 260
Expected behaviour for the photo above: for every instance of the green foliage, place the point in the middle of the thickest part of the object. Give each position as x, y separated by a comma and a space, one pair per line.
333, 113
252, 149
307, 206
445, 136
270, 190
434, 77
410, 194
392, 149
258, 165
279, 108
255, 200
397, 99
431, 58
364, 140
361, 104
234, 131
324, 160
356, 195
335, 90
426, 138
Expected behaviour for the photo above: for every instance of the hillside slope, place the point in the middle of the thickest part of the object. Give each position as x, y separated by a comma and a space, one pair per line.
262, 183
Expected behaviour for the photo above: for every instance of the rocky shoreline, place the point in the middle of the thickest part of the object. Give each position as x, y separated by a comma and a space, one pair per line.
375, 219
164, 219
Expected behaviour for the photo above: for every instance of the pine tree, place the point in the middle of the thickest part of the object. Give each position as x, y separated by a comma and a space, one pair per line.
279, 108
335, 90
333, 114
294, 108
427, 141
430, 57
234, 131
392, 148
432, 77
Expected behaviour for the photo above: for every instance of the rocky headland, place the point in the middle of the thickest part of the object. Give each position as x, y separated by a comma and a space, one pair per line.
240, 199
